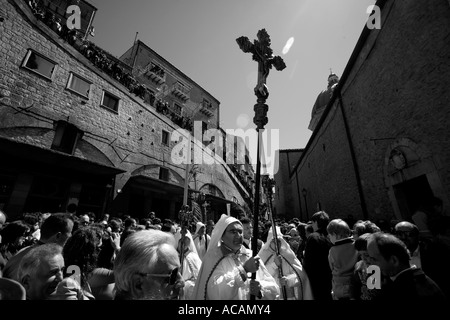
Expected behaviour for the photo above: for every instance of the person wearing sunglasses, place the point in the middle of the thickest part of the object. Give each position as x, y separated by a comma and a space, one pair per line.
147, 267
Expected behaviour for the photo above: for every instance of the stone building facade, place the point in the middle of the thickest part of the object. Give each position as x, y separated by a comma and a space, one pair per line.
382, 143
76, 127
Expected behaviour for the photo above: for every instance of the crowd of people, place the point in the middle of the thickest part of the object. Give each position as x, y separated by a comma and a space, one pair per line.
73, 256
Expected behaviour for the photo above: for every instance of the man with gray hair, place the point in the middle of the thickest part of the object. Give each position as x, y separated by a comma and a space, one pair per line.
40, 271
405, 282
146, 267
56, 229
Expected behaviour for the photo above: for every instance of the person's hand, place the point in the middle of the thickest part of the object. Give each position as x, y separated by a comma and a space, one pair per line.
283, 280
115, 240
252, 264
255, 288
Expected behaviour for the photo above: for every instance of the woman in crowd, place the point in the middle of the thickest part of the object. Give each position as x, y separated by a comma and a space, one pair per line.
13, 237
80, 255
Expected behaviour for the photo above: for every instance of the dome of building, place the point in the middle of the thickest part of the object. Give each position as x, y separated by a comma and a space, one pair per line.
322, 100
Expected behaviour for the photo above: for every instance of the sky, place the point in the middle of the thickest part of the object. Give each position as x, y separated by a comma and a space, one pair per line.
199, 38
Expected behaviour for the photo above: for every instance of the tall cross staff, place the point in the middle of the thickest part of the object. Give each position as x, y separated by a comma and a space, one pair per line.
268, 185
263, 54
205, 205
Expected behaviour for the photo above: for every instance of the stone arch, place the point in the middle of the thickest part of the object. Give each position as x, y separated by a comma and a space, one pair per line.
87, 150
43, 137
411, 173
150, 170
38, 136
210, 188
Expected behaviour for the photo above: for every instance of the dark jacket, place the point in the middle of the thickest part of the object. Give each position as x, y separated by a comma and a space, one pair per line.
316, 264
259, 245
435, 259
412, 284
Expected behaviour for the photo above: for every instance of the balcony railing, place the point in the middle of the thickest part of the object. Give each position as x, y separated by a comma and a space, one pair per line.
207, 108
156, 74
165, 109
181, 91
111, 66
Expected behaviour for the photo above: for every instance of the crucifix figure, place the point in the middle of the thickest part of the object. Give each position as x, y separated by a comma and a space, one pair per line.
263, 54
205, 207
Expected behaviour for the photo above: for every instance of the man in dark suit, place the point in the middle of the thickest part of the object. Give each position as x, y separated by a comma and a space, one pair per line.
315, 260
406, 282
431, 255
248, 234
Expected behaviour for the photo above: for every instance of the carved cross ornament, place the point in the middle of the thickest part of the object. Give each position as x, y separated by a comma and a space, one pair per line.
263, 54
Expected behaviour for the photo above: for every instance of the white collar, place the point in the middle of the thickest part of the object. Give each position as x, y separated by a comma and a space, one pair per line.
396, 276
416, 252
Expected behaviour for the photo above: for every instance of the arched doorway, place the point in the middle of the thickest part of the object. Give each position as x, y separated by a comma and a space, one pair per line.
411, 176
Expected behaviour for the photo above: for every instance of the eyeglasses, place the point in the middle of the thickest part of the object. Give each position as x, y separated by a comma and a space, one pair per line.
172, 276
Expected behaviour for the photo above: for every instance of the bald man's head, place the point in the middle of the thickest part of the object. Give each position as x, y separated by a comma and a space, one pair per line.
408, 233
2, 219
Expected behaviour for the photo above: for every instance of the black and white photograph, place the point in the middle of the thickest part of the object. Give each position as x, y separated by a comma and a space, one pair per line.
226, 156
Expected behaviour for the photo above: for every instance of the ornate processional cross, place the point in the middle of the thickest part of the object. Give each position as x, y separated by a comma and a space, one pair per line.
263, 54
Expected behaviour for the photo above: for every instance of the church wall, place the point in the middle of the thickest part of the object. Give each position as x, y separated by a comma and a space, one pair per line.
400, 92
286, 193
397, 89
327, 174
